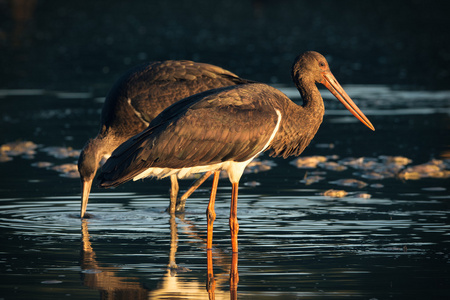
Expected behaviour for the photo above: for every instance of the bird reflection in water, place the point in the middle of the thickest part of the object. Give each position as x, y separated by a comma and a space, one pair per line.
105, 279
234, 276
97, 276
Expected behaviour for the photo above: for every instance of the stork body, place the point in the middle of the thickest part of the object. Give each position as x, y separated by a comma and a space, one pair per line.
225, 128
136, 99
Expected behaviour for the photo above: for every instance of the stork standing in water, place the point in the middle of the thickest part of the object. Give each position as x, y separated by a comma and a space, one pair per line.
136, 99
225, 128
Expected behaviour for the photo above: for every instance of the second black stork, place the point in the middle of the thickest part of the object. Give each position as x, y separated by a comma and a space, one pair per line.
135, 100
224, 129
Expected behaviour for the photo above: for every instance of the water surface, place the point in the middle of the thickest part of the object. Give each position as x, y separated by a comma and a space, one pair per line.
386, 239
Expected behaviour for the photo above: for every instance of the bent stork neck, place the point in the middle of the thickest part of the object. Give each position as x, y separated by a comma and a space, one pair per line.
312, 100
299, 123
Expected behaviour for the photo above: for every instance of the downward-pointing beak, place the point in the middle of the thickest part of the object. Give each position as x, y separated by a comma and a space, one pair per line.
86, 189
336, 89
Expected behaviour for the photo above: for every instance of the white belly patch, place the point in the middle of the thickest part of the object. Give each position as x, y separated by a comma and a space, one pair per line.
234, 169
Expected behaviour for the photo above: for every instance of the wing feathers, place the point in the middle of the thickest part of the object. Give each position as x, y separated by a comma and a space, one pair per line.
233, 123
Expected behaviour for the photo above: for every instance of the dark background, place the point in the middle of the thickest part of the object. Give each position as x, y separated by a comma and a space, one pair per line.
86, 45
294, 243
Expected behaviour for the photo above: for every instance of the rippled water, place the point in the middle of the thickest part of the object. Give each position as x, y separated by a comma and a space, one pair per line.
294, 243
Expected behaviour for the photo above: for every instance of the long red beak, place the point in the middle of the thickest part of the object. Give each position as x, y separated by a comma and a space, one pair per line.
86, 189
336, 89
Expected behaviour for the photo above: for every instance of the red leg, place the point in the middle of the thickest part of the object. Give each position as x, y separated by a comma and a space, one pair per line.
173, 245
234, 276
234, 225
181, 202
173, 193
210, 213
194, 186
210, 281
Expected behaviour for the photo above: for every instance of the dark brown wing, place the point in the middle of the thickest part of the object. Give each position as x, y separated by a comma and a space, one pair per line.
144, 91
232, 123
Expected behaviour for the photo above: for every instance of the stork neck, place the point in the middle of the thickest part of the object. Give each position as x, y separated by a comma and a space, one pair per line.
109, 139
312, 100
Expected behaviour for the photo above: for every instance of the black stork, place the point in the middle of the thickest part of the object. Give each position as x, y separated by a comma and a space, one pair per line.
137, 98
225, 128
